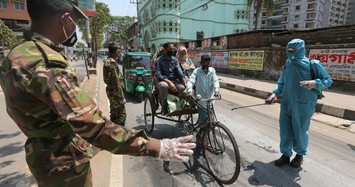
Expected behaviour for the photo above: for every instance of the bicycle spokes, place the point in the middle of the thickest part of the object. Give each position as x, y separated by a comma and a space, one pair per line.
221, 153
217, 142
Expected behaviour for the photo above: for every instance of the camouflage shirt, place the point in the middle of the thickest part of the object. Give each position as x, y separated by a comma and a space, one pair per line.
112, 75
43, 98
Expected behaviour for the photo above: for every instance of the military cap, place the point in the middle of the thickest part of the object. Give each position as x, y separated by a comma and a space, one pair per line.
74, 3
113, 46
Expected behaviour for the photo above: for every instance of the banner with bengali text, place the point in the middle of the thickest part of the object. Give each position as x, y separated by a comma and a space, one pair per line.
219, 59
88, 7
339, 63
246, 60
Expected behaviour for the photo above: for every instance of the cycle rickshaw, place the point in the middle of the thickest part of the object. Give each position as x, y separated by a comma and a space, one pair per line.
215, 140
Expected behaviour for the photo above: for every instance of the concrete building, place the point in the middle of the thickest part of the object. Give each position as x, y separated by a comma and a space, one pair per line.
14, 15
305, 14
185, 20
350, 17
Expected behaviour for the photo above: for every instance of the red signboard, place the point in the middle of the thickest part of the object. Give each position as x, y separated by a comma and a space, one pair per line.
88, 7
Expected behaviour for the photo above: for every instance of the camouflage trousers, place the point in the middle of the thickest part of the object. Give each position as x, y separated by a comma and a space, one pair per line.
117, 107
78, 176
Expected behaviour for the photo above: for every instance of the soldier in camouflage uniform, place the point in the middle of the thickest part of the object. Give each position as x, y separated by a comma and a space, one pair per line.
113, 79
61, 120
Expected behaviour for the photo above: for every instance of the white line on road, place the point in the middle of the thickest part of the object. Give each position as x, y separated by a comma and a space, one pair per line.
116, 178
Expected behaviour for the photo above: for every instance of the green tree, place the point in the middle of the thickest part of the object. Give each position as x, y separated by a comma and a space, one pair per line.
119, 33
269, 5
80, 46
7, 36
98, 26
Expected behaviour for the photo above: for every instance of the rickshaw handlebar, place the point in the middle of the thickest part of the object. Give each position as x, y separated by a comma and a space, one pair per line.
198, 98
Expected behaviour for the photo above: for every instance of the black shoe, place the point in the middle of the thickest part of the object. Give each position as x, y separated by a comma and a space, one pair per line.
163, 111
282, 161
297, 161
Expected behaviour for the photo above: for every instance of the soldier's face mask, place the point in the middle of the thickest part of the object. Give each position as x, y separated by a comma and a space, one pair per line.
291, 53
72, 39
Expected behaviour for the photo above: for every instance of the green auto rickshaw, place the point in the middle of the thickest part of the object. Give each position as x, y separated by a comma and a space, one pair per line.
136, 73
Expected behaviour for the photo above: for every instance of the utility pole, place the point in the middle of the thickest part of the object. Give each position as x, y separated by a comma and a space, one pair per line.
88, 41
138, 37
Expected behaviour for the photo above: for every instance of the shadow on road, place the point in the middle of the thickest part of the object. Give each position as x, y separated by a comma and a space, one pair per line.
196, 167
3, 136
286, 176
352, 147
17, 179
11, 148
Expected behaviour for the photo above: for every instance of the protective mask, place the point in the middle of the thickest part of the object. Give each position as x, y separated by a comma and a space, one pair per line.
72, 39
292, 56
171, 53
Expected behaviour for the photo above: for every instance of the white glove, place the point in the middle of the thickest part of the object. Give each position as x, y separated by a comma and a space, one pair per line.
271, 99
308, 84
176, 149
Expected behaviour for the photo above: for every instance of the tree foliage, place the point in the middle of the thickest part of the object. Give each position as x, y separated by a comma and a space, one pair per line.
80, 46
269, 5
7, 36
119, 32
98, 26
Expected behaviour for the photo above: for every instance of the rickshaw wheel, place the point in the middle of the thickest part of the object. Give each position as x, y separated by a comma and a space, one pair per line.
149, 113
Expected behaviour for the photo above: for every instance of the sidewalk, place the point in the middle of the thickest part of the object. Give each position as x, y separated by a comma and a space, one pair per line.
106, 167
338, 106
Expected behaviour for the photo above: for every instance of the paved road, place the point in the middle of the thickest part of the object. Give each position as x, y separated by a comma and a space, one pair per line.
331, 161
13, 167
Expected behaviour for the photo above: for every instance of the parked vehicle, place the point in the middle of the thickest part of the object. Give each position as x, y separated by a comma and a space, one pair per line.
136, 73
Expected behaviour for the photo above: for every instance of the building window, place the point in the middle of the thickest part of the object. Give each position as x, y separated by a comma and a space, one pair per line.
19, 6
297, 17
3, 4
241, 14
295, 26
298, 8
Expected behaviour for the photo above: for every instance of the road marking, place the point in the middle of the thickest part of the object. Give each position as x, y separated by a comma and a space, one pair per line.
116, 178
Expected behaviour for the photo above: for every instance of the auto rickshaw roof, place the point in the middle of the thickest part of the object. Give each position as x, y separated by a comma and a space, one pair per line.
138, 54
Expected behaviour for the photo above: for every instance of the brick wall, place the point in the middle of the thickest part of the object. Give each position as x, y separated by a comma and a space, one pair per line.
11, 13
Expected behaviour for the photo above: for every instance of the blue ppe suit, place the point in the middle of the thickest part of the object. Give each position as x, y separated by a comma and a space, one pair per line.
297, 103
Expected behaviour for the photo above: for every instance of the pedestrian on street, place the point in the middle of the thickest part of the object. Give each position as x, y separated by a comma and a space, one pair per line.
60, 120
205, 81
298, 89
114, 86
169, 75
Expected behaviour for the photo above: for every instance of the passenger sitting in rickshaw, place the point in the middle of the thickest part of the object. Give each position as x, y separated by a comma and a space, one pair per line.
186, 63
169, 75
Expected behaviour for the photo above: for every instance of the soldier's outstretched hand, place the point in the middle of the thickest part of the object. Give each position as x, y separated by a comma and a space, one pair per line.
177, 149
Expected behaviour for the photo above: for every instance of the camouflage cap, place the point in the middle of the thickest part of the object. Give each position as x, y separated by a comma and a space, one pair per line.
114, 47
74, 3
